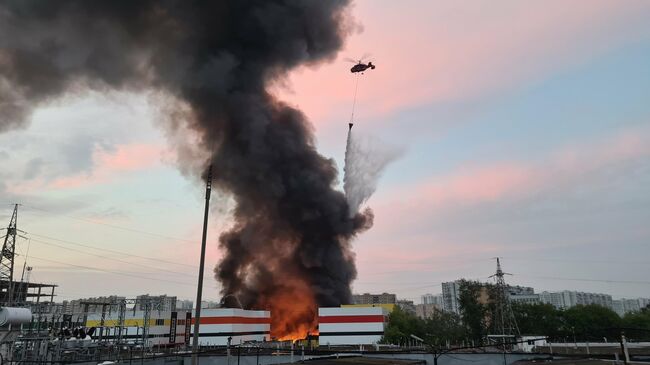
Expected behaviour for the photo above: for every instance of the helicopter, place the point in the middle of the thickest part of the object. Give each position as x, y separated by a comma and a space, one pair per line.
360, 66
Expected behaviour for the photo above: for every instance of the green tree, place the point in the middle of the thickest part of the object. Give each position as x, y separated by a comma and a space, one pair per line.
537, 319
473, 312
492, 319
591, 322
401, 325
637, 325
443, 327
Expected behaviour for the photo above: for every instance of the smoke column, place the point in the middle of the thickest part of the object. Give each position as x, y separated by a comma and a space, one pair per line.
365, 160
289, 248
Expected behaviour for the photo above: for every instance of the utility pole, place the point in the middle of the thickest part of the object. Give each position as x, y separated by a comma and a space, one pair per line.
199, 289
121, 314
7, 257
145, 322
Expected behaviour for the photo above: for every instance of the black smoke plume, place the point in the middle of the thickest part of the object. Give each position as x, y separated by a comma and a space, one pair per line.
290, 242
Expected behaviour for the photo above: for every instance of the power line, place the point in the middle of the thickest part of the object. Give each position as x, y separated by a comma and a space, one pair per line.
408, 289
109, 250
128, 229
110, 258
428, 262
581, 261
589, 280
110, 271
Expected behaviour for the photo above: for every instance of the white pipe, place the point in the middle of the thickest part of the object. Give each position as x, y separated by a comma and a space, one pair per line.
12, 315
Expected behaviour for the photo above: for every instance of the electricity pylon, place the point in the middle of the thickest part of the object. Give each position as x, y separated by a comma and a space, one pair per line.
506, 325
7, 257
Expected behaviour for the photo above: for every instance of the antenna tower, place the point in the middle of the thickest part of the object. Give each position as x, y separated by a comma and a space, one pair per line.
7, 259
506, 325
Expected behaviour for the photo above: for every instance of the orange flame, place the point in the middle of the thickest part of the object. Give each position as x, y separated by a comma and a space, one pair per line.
293, 312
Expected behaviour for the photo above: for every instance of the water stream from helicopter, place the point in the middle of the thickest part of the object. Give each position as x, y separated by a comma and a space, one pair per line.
354, 101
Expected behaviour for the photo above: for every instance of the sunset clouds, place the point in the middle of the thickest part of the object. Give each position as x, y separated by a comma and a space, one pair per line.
572, 198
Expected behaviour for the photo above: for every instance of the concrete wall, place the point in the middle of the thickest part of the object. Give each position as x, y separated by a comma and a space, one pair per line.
458, 359
450, 359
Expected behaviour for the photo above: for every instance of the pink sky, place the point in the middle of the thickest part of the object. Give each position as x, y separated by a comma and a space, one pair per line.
511, 179
433, 52
107, 166
401, 212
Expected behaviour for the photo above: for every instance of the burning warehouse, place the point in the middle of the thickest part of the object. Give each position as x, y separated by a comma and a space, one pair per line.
337, 326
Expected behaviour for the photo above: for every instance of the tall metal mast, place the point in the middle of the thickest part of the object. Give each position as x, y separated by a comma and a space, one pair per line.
506, 323
7, 257
199, 289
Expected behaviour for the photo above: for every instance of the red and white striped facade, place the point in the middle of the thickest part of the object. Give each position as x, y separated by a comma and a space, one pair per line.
351, 325
242, 325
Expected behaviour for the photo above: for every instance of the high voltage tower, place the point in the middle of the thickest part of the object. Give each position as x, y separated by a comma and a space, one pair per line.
19, 293
7, 260
506, 325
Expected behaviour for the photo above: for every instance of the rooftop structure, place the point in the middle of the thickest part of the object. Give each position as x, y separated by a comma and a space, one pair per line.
367, 298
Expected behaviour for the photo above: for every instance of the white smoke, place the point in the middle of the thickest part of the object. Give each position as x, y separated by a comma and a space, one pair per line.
366, 158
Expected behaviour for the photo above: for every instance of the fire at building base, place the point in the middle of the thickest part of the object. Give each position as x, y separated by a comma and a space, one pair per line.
228, 326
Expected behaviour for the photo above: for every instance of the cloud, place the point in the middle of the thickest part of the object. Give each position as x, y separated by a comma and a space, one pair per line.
569, 198
108, 165
33, 168
586, 199
77, 153
39, 204
515, 179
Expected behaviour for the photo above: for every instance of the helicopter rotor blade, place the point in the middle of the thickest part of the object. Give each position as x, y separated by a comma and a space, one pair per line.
365, 57
348, 59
